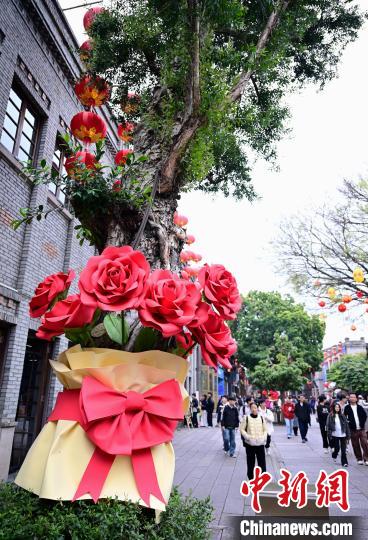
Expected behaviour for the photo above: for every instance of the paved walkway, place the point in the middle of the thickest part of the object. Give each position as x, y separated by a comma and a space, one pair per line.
204, 470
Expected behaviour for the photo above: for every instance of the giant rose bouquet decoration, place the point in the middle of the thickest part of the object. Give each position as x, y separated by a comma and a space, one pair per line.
138, 310
110, 432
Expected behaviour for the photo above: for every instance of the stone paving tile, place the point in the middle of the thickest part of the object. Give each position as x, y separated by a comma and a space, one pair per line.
203, 469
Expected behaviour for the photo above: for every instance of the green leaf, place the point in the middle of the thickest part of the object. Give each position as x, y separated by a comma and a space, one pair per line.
74, 334
117, 328
146, 340
43, 163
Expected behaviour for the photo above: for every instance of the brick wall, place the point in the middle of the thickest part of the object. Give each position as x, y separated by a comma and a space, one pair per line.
37, 51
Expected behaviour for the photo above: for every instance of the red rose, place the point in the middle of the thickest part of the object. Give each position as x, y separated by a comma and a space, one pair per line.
215, 339
220, 288
171, 303
114, 280
68, 313
48, 290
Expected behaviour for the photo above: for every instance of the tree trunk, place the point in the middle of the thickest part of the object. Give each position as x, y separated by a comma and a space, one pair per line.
150, 230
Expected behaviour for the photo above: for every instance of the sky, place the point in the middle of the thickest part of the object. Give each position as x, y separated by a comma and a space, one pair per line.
328, 142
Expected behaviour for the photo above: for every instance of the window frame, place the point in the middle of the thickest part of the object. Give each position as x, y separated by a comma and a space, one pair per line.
25, 105
59, 170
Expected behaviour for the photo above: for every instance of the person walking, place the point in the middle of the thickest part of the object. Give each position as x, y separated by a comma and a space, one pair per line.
339, 433
357, 417
254, 433
247, 404
302, 412
195, 405
210, 409
267, 416
322, 414
312, 404
230, 423
364, 403
220, 406
288, 410
204, 422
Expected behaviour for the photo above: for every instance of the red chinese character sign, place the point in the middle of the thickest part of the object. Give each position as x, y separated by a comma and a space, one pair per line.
329, 489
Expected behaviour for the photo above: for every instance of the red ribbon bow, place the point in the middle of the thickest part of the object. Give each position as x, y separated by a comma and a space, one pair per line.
121, 423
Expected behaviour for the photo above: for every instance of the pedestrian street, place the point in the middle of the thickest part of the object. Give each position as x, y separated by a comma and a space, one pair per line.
203, 469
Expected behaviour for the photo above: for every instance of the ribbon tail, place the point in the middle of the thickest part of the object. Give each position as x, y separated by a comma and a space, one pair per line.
145, 475
95, 475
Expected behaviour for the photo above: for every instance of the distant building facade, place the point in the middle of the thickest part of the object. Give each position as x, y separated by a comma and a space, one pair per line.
333, 354
38, 65
201, 378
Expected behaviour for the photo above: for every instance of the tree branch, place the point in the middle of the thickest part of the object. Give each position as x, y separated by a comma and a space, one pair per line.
273, 21
191, 121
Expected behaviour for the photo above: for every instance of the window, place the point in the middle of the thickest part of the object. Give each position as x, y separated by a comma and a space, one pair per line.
58, 161
20, 128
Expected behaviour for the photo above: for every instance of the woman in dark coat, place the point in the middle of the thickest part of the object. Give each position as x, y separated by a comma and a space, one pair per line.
339, 433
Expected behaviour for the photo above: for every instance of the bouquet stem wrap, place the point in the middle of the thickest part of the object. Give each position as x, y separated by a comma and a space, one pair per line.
110, 432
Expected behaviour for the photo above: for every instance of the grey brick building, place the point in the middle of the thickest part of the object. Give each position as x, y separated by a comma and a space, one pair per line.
38, 65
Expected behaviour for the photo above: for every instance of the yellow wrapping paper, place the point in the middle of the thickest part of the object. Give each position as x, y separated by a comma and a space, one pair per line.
59, 456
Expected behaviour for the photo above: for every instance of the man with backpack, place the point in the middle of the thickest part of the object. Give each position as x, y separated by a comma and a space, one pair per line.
254, 433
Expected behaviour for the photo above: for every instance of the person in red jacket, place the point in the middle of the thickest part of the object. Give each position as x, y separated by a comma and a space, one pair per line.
288, 410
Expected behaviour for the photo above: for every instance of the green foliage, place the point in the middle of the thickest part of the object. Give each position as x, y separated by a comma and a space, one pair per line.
146, 339
283, 376
145, 45
95, 194
283, 369
117, 328
264, 317
350, 373
22, 515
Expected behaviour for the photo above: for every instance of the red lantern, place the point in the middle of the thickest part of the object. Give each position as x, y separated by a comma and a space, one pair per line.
116, 186
85, 50
342, 308
88, 127
92, 91
180, 221
122, 156
130, 103
191, 271
322, 303
360, 294
125, 131
190, 239
196, 257
326, 384
185, 256
74, 164
90, 16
